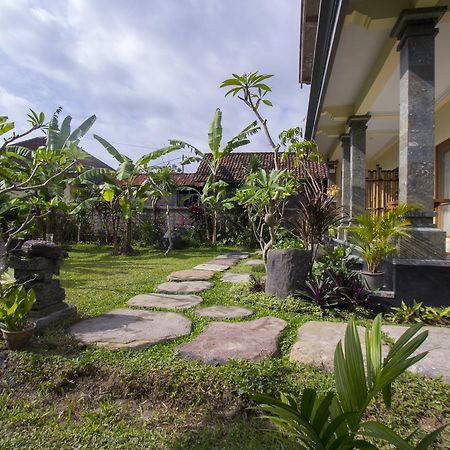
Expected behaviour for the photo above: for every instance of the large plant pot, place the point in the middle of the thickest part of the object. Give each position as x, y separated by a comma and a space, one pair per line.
374, 281
287, 270
16, 340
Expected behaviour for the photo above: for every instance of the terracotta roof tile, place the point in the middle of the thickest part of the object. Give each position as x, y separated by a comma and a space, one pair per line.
234, 167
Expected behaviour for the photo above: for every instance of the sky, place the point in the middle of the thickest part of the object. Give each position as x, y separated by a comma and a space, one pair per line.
149, 69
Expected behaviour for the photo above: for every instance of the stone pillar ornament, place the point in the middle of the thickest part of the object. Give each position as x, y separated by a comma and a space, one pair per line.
357, 133
416, 30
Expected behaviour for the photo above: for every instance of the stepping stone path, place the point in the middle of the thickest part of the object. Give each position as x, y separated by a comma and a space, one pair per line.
164, 301
437, 362
236, 255
254, 262
246, 341
224, 312
236, 277
131, 328
212, 267
183, 287
191, 275
317, 342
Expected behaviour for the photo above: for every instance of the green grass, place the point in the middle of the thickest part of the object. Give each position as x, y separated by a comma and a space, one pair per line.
61, 395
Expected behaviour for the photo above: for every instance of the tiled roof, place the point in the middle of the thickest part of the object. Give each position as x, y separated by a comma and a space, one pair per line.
234, 167
181, 179
90, 162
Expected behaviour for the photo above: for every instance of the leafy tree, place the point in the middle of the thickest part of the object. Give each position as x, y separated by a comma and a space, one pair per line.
214, 191
32, 182
337, 421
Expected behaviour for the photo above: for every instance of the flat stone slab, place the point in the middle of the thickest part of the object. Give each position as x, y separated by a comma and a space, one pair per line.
131, 328
191, 275
224, 261
437, 363
237, 255
254, 262
246, 341
183, 287
224, 312
317, 342
231, 277
168, 301
212, 267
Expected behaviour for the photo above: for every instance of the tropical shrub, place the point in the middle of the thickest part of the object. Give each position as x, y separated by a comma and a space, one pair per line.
337, 420
418, 313
375, 236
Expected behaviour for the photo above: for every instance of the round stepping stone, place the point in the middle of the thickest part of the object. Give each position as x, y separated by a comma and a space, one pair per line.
224, 312
164, 301
246, 341
191, 275
131, 328
212, 267
231, 277
254, 262
183, 287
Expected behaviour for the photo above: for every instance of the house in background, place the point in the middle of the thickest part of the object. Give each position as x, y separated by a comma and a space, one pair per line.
380, 107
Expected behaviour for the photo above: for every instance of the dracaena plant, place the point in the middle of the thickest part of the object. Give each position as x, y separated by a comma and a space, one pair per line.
336, 421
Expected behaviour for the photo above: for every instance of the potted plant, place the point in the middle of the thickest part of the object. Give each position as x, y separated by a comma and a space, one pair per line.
15, 304
375, 237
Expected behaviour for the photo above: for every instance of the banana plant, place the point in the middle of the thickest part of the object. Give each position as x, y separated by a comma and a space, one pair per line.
120, 185
336, 421
213, 200
32, 182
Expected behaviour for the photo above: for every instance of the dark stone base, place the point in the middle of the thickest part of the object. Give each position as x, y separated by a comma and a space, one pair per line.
422, 243
52, 314
426, 281
286, 271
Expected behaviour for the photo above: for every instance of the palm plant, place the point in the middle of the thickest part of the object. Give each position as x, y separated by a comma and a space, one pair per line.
375, 236
214, 198
336, 421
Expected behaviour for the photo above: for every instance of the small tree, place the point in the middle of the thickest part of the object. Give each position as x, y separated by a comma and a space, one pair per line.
214, 191
163, 186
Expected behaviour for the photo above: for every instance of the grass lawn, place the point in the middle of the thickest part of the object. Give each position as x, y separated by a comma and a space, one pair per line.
61, 395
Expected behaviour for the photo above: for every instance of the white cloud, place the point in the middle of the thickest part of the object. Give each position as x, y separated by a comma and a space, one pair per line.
151, 70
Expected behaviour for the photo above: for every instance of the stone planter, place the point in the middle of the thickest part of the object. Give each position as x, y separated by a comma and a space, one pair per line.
16, 340
374, 281
287, 270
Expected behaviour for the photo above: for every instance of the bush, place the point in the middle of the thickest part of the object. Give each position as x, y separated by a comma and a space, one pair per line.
418, 313
147, 234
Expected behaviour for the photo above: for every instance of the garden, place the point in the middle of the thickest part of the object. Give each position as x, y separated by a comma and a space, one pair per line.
253, 327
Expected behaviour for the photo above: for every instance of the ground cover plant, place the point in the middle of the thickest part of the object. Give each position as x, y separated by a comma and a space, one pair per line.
59, 394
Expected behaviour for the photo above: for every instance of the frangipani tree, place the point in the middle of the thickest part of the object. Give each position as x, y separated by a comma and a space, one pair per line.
32, 181
214, 191
263, 195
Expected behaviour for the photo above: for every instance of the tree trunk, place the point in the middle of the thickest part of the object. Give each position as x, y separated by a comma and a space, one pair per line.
3, 254
79, 233
169, 229
214, 228
127, 248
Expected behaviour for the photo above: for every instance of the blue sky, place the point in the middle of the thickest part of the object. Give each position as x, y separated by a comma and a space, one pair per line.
149, 70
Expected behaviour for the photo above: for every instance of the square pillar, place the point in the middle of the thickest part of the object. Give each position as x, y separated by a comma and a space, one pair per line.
357, 201
345, 174
416, 30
